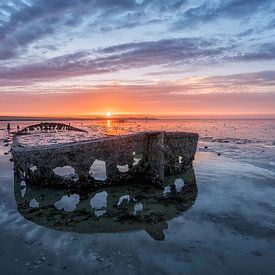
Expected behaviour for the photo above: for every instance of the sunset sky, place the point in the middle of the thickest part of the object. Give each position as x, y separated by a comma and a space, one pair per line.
172, 58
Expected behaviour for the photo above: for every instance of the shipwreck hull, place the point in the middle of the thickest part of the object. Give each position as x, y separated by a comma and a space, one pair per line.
148, 156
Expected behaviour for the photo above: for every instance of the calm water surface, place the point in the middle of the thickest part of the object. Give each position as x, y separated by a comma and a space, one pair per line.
222, 223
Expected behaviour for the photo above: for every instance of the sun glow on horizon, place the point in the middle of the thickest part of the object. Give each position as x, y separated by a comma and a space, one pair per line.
109, 114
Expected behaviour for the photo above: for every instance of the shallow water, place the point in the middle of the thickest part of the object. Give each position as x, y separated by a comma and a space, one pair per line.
224, 225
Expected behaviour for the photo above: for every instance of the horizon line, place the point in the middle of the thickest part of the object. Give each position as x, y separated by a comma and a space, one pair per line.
136, 116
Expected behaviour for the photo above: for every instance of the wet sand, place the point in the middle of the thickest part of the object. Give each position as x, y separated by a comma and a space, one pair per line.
228, 229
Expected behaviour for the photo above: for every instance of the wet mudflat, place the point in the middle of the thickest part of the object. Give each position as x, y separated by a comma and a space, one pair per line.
218, 218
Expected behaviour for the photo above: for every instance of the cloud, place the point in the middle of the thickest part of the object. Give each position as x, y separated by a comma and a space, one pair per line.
26, 23
117, 58
165, 53
22, 23
210, 11
258, 82
262, 82
260, 52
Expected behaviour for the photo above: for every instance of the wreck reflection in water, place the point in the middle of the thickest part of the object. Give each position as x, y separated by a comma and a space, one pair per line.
108, 209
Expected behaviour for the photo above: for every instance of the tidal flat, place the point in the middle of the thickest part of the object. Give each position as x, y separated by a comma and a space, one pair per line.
218, 219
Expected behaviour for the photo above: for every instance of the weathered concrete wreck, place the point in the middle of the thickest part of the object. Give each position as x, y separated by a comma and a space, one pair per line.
146, 156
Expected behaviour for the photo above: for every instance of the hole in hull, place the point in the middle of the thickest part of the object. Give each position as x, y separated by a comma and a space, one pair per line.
33, 168
34, 203
179, 184
138, 207
98, 170
122, 199
136, 161
123, 168
65, 171
99, 200
68, 203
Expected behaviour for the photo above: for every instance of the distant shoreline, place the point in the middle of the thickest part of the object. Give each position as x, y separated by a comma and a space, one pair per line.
116, 118
11, 118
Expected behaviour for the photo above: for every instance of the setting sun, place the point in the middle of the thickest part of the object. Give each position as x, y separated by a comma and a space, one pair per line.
108, 114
